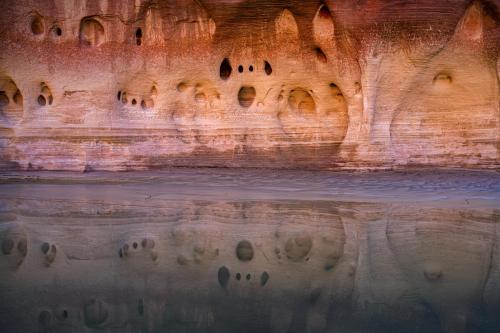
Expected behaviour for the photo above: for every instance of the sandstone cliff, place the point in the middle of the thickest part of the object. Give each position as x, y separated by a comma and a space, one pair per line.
125, 85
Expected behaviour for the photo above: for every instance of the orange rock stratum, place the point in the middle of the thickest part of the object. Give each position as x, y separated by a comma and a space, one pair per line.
346, 84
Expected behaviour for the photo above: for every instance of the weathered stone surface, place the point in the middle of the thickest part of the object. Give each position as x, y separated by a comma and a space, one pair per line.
121, 85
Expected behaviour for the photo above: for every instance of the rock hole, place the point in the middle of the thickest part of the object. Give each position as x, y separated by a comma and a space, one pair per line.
238, 276
58, 31
18, 98
432, 271
138, 36
95, 313
148, 243
320, 55
225, 69
41, 100
223, 276
240, 69
134, 244
22, 247
267, 68
182, 87
147, 104
51, 99
248, 277
442, 78
324, 12
244, 251
37, 25
119, 95
45, 248
250, 68
91, 32
246, 96
264, 278
4, 100
134, 102
336, 90
7, 246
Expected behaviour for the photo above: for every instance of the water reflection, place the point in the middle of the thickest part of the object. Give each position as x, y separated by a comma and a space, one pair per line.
149, 256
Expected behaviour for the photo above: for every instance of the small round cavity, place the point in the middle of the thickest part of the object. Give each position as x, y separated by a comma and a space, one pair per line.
41, 100
37, 25
267, 68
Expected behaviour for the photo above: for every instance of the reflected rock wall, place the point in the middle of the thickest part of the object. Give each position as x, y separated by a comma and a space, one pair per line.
127, 85
247, 266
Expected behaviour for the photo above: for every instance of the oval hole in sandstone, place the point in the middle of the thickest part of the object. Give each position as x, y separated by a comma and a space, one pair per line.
324, 12
336, 90
238, 276
56, 31
119, 95
225, 69
267, 68
41, 100
91, 32
240, 69
223, 276
442, 78
320, 55
264, 278
22, 247
4, 100
138, 36
246, 96
134, 102
18, 98
45, 248
37, 25
244, 251
95, 313
250, 68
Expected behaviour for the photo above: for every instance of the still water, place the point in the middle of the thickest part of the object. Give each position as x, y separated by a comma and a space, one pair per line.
205, 250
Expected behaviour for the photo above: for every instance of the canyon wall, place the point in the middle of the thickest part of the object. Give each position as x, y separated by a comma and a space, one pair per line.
127, 85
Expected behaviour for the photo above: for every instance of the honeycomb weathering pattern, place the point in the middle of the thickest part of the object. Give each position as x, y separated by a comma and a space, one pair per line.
126, 85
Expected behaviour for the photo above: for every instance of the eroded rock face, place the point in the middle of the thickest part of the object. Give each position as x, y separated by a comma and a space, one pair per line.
134, 85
